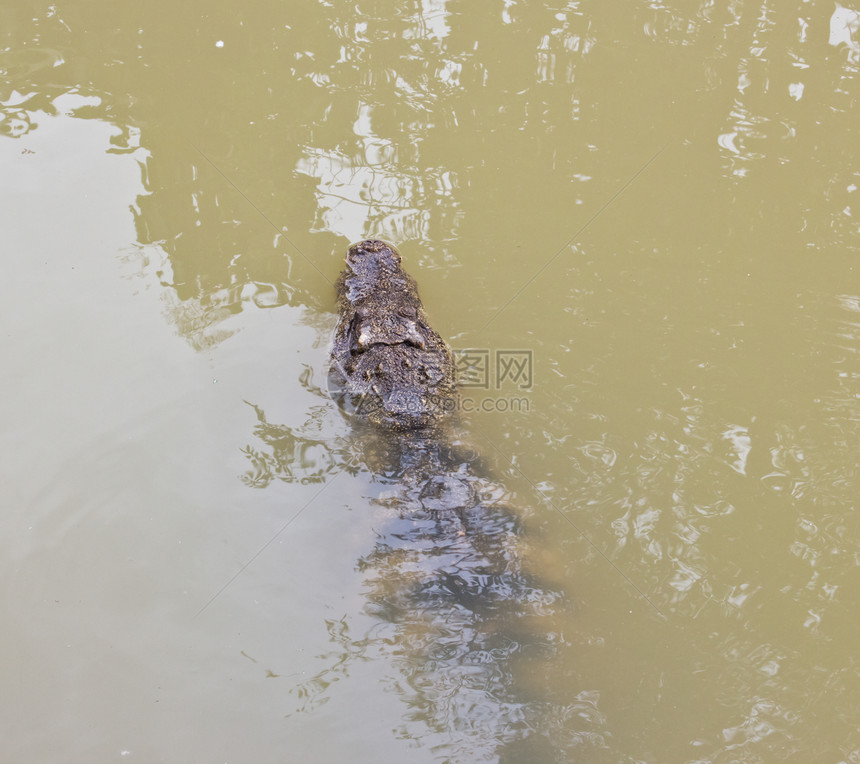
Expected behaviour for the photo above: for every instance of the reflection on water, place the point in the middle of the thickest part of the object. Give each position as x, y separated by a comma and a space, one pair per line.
367, 192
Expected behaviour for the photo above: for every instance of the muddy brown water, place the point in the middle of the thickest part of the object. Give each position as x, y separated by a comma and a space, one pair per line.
638, 222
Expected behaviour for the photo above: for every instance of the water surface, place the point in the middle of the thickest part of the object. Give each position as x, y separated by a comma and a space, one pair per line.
655, 204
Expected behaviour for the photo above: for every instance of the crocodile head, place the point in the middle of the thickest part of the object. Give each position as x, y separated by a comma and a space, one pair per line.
388, 364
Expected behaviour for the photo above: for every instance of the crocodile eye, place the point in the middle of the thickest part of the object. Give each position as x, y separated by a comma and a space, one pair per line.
414, 337
356, 335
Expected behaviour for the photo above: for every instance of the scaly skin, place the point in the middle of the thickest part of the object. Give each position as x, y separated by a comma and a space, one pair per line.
390, 364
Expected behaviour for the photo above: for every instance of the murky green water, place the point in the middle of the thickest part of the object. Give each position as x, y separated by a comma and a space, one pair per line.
640, 219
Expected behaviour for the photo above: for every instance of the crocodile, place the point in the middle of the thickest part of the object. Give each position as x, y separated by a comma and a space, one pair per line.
447, 571
387, 360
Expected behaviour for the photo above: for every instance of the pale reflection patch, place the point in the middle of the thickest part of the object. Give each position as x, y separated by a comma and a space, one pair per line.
433, 19
844, 29
369, 193
739, 438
